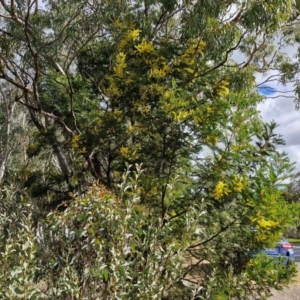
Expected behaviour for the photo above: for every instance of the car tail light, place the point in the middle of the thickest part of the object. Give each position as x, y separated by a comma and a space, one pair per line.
287, 246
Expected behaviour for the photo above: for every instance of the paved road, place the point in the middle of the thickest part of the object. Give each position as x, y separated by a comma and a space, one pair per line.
297, 253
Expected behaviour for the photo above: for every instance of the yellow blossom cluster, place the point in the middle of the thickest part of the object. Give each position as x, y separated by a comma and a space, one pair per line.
168, 94
195, 47
159, 72
211, 140
222, 88
180, 116
120, 64
221, 190
129, 154
144, 47
133, 34
136, 57
76, 144
239, 184
266, 224
130, 35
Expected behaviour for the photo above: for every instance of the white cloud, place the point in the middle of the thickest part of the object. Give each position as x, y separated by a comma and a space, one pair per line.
282, 110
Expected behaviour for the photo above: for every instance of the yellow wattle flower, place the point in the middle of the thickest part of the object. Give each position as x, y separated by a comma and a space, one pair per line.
144, 47
221, 190
133, 34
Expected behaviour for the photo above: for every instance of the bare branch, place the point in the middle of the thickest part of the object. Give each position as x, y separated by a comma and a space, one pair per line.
49, 115
226, 55
12, 81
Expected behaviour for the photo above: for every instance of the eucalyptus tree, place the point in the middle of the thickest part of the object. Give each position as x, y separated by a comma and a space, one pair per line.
8, 106
13, 126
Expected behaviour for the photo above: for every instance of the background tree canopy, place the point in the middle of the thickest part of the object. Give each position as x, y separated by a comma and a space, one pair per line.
139, 148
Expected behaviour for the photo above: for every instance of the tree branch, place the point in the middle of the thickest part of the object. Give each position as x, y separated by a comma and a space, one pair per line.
49, 115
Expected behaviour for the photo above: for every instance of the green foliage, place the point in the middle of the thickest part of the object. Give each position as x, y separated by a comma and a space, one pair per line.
292, 193
18, 248
107, 246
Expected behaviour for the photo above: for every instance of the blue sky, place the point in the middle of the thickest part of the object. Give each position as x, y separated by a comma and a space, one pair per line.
266, 90
279, 105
